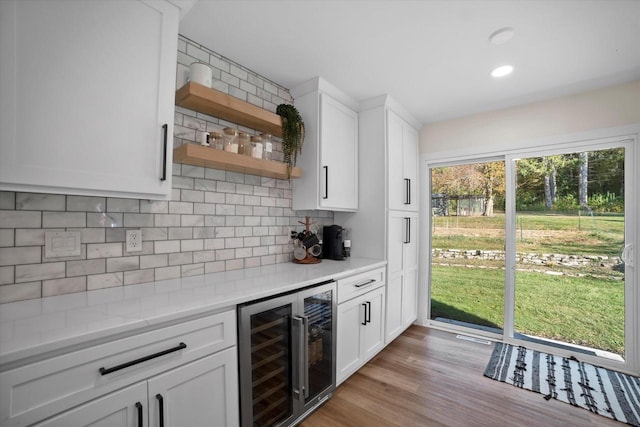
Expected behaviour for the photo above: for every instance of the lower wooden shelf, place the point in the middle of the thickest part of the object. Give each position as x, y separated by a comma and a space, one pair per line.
197, 155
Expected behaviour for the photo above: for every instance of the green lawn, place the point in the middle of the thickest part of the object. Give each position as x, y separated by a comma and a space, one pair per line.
578, 310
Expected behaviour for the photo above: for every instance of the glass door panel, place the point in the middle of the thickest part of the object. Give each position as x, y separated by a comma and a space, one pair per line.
318, 310
570, 232
467, 245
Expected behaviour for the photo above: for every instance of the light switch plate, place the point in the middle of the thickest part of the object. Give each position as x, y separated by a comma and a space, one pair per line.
61, 244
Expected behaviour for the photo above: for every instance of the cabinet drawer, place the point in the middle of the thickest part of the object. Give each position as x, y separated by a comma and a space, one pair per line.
359, 284
36, 391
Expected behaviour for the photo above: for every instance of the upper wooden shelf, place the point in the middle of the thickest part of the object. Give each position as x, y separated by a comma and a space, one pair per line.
197, 155
200, 98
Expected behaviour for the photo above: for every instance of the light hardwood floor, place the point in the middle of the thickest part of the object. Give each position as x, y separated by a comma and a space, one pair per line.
428, 377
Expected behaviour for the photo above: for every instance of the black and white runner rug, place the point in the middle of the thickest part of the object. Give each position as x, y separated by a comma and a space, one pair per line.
608, 393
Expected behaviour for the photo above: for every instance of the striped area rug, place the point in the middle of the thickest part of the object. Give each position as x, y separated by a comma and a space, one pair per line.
608, 393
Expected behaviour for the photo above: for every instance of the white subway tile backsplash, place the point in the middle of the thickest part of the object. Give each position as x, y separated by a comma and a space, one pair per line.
20, 255
6, 275
20, 219
110, 220
64, 286
101, 281
40, 202
215, 220
123, 205
7, 237
104, 250
166, 246
20, 292
153, 261
33, 272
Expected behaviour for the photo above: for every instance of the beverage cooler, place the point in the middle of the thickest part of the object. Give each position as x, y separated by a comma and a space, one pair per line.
287, 355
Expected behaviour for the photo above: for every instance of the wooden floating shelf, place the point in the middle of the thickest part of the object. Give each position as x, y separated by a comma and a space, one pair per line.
200, 98
197, 155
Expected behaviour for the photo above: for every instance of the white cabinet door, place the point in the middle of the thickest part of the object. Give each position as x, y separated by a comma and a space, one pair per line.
360, 332
199, 394
123, 408
338, 155
402, 267
373, 331
402, 146
86, 89
348, 347
393, 321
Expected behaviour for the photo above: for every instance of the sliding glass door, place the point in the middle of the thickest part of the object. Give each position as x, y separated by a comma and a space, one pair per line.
549, 264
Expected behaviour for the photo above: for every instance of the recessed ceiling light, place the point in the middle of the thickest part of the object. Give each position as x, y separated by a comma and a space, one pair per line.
502, 71
502, 35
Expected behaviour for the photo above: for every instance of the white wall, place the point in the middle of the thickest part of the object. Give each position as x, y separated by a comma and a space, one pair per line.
609, 107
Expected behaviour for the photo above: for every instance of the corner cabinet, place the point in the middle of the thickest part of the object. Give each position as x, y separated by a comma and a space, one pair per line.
329, 155
389, 202
87, 97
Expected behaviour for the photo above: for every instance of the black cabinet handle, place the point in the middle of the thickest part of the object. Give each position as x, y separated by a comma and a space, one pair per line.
139, 409
407, 191
407, 238
326, 182
160, 410
364, 321
368, 317
105, 371
367, 283
165, 128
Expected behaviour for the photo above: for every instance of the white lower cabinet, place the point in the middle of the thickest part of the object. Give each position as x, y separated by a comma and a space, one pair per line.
360, 327
185, 374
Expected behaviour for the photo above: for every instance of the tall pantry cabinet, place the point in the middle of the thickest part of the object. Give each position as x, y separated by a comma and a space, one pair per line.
387, 227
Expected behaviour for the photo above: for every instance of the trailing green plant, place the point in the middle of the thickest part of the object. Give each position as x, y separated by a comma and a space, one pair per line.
292, 134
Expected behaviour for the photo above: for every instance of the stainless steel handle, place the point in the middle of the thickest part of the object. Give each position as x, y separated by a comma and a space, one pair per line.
303, 357
365, 284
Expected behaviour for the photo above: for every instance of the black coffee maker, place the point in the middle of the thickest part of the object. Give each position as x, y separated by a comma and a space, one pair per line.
333, 242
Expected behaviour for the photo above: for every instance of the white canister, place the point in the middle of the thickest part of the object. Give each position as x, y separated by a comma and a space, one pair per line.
201, 73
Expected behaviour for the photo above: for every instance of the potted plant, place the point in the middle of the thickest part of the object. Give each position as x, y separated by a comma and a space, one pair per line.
292, 134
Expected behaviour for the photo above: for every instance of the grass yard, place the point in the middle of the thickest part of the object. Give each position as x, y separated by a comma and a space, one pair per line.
577, 310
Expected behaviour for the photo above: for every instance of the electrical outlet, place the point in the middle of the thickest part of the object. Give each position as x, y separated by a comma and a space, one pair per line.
134, 241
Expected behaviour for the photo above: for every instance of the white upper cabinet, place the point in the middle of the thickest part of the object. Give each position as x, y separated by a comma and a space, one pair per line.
329, 158
402, 146
87, 96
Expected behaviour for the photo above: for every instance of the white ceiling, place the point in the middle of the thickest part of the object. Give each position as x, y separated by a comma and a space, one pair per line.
433, 57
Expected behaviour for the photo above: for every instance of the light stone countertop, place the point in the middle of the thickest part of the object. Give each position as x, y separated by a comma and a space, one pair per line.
31, 329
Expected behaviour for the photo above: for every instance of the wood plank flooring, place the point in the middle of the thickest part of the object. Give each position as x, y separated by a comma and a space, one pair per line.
428, 377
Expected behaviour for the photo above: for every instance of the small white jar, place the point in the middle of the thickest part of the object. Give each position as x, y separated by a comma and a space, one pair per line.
201, 73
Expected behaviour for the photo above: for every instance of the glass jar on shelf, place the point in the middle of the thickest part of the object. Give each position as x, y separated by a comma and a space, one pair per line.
256, 147
230, 140
244, 144
267, 153
216, 140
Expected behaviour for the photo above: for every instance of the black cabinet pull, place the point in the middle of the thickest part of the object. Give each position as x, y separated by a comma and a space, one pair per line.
407, 238
367, 283
139, 409
364, 321
105, 371
165, 128
407, 191
326, 182
160, 410
368, 317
